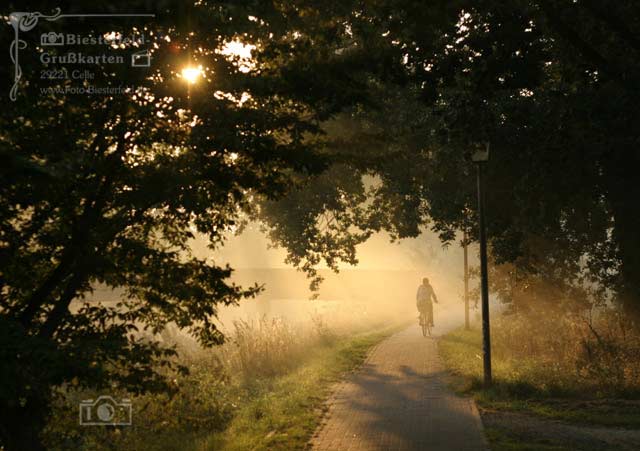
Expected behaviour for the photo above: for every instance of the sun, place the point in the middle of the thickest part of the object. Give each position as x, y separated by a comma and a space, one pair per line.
191, 74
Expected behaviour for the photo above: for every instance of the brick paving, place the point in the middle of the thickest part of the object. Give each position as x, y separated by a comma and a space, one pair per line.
399, 400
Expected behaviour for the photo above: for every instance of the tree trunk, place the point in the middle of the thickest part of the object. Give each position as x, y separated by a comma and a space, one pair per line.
624, 192
22, 426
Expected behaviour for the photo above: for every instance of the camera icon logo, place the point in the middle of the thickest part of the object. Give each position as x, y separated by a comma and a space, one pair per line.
52, 38
141, 59
105, 411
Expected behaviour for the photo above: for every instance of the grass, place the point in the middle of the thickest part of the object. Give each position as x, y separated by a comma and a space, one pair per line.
529, 386
503, 441
264, 389
605, 413
281, 414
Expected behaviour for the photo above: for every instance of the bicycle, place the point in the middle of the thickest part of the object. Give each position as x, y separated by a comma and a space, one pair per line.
425, 324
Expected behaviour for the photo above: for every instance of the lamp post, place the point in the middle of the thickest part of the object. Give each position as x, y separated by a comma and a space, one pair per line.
480, 157
466, 280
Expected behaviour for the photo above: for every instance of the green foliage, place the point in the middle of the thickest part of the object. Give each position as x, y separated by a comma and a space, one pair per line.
523, 77
318, 221
548, 86
111, 189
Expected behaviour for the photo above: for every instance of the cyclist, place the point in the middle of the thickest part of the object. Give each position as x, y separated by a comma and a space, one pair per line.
423, 299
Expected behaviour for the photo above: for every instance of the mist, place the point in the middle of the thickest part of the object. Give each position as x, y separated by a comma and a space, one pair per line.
381, 288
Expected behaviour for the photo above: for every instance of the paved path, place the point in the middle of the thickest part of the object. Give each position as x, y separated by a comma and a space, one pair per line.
399, 400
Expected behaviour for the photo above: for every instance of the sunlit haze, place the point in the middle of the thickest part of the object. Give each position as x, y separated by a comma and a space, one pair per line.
191, 74
323, 226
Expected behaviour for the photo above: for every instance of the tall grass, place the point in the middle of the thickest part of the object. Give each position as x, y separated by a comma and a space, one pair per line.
557, 354
219, 382
269, 347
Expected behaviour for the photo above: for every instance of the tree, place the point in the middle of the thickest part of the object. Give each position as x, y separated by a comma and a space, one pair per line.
549, 85
111, 188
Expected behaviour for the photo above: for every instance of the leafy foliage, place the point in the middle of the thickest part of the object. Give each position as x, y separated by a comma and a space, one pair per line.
548, 86
110, 189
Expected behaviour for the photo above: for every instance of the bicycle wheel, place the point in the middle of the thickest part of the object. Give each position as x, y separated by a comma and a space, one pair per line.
424, 324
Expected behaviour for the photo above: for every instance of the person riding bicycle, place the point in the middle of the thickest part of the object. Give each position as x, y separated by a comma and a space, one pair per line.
423, 299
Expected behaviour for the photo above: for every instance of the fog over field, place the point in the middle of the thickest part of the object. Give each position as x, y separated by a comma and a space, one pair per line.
382, 285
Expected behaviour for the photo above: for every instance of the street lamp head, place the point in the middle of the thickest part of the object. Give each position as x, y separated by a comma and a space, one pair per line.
481, 155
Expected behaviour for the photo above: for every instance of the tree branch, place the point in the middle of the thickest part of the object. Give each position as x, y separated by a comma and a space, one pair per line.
81, 227
617, 25
564, 30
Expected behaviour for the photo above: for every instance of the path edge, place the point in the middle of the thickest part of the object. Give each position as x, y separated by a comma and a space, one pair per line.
325, 415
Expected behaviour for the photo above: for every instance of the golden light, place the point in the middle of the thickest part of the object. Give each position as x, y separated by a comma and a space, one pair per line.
191, 74
240, 53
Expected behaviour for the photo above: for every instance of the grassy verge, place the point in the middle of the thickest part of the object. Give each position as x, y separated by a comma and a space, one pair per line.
529, 386
503, 441
263, 391
282, 413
